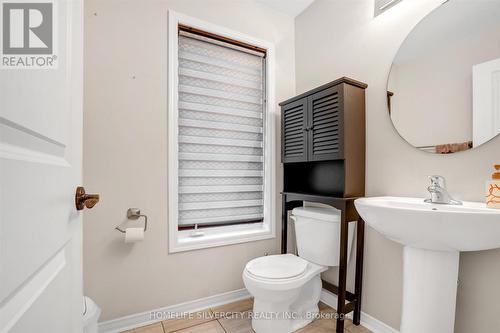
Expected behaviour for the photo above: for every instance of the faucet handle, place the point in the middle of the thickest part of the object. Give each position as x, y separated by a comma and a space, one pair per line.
437, 181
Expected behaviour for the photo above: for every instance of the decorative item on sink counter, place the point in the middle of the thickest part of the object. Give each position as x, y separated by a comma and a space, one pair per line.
493, 189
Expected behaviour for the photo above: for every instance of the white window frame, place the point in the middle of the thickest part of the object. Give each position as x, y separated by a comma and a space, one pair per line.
233, 234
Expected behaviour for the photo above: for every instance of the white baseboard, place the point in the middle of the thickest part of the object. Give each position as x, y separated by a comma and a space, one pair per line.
144, 318
374, 325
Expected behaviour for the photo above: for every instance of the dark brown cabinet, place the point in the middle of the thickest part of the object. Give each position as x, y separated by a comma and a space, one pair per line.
327, 126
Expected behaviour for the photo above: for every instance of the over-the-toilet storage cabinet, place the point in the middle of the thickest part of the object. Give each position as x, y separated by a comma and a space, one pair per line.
323, 155
323, 140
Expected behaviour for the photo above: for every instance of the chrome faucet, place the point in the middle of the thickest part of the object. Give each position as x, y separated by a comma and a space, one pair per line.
439, 194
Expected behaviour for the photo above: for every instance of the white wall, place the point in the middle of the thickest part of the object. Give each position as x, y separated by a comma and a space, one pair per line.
340, 37
125, 151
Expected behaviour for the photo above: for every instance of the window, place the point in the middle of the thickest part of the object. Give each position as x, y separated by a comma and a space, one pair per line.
221, 150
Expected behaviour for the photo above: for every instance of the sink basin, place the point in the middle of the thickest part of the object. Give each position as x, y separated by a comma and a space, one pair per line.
433, 236
413, 222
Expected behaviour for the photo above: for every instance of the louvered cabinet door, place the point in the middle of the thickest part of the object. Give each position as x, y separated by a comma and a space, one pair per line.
325, 130
293, 132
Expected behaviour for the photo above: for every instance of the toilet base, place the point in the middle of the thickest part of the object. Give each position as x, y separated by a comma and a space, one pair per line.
303, 322
289, 315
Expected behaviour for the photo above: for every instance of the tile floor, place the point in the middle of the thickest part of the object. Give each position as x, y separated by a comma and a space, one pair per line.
236, 320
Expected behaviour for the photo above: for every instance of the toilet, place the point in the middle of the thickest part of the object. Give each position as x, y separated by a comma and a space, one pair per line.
287, 288
91, 313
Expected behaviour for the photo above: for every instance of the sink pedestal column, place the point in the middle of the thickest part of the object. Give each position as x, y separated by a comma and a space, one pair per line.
429, 291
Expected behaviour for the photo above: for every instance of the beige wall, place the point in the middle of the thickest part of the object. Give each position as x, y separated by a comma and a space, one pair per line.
340, 37
125, 152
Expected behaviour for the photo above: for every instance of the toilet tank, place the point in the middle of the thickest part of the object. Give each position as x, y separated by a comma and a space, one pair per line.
317, 233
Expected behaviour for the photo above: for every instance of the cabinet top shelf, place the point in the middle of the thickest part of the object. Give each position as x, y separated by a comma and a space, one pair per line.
344, 79
312, 197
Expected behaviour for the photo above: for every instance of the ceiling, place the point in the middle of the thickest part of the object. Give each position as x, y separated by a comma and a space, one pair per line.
289, 7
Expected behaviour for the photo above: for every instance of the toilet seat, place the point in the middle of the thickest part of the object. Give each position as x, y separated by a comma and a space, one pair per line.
277, 267
301, 272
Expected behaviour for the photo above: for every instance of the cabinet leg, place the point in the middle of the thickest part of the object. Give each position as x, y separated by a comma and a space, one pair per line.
358, 284
284, 225
342, 273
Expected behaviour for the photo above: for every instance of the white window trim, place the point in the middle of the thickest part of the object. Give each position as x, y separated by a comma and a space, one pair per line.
218, 236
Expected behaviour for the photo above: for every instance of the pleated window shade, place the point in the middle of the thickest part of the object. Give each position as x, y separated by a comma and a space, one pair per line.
221, 133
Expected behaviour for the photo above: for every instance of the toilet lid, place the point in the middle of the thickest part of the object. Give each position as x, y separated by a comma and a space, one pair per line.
277, 267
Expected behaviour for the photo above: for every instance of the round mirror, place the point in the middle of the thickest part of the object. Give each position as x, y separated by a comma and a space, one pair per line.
444, 87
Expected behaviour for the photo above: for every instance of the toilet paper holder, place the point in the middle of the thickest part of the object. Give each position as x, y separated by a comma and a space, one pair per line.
134, 214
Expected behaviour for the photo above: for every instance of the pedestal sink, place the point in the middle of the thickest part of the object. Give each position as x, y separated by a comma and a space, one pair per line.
433, 236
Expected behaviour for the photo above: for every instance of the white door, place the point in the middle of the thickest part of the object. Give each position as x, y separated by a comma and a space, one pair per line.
486, 101
40, 167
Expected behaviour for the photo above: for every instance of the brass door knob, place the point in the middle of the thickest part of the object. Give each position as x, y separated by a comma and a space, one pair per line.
83, 200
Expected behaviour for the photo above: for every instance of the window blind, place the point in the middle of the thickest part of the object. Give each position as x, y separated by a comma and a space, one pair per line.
221, 133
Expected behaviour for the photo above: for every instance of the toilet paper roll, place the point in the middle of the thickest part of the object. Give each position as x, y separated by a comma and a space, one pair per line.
133, 235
